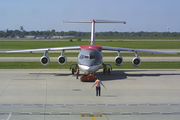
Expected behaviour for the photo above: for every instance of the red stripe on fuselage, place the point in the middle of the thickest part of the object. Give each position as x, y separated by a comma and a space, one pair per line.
91, 47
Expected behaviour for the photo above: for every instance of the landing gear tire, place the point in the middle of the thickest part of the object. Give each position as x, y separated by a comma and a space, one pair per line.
104, 71
109, 71
72, 70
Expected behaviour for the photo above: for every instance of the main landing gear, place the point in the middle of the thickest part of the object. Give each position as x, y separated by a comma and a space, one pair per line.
105, 69
74, 68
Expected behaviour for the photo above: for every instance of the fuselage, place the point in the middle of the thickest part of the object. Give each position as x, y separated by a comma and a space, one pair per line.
90, 59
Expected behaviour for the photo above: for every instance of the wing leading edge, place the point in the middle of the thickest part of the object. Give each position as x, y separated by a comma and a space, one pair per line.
46, 49
79, 47
134, 50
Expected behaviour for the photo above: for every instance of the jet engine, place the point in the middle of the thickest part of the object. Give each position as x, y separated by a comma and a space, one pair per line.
62, 60
44, 60
136, 61
118, 60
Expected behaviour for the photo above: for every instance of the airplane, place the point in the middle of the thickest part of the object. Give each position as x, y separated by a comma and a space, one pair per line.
90, 58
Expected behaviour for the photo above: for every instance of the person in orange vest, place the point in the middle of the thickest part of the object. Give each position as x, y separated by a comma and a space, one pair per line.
98, 84
77, 73
90, 74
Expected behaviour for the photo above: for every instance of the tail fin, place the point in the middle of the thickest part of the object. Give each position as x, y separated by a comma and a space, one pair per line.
93, 26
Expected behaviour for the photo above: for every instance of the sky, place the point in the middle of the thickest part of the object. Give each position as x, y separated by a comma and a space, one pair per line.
43, 15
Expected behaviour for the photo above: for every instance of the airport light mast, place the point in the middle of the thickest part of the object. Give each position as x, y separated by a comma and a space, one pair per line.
21, 32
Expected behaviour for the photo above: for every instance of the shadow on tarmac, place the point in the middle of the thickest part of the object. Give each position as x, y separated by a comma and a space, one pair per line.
115, 74
121, 74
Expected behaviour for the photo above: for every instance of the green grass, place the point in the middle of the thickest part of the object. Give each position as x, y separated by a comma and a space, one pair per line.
130, 37
55, 65
138, 37
124, 44
106, 38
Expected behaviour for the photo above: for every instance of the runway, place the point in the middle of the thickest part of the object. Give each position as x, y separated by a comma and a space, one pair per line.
56, 94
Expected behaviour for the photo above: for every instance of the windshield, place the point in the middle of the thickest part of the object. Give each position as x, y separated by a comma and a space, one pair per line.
87, 57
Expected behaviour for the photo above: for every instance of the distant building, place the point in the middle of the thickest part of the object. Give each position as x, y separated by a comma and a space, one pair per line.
30, 37
59, 37
9, 37
17, 37
40, 37
46, 37
66, 36
56, 37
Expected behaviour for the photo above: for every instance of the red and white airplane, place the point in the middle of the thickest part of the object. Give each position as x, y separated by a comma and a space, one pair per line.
90, 57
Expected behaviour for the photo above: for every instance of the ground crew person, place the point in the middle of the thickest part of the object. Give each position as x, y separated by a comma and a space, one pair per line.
77, 73
98, 84
90, 74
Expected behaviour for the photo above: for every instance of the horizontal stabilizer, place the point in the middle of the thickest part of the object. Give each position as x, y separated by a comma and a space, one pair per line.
95, 21
93, 25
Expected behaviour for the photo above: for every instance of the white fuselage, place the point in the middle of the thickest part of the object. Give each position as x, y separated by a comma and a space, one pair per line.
90, 59
89, 69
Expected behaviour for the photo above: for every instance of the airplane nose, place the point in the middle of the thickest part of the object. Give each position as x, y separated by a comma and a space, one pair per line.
88, 69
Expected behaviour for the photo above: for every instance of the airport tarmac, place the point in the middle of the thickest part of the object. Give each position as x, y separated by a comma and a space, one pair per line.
53, 94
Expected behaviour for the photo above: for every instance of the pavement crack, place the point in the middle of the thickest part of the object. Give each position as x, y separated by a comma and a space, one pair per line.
6, 87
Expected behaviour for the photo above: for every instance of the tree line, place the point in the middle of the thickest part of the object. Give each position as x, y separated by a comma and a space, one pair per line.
21, 34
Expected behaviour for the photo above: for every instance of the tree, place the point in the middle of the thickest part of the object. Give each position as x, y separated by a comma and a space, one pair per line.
1, 33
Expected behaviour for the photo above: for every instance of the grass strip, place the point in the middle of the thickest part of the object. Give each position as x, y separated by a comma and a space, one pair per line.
123, 44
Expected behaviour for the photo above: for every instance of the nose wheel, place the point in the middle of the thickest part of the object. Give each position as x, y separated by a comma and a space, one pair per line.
73, 71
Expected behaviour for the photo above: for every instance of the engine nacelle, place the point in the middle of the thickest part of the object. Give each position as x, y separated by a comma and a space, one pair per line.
118, 60
136, 61
62, 60
44, 60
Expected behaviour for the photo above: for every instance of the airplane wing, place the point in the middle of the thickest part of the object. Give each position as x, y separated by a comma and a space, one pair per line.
46, 49
133, 50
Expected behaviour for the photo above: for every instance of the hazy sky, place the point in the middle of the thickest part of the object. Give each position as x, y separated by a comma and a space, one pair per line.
140, 15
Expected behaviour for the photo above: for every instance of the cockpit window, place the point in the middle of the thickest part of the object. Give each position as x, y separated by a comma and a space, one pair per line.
92, 57
81, 57
87, 57
84, 56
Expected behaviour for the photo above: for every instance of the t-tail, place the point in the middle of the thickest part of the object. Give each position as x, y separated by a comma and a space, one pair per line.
93, 26
93, 33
